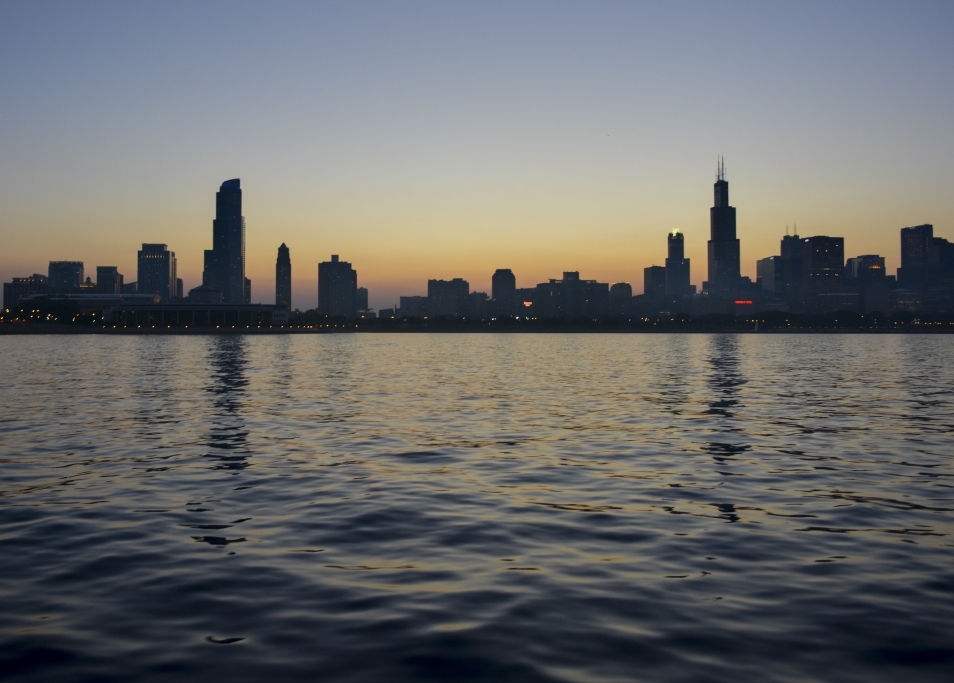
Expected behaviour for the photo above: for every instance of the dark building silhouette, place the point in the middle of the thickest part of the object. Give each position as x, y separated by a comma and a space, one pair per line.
504, 292
654, 282
915, 255
790, 265
769, 274
867, 275
525, 300
283, 278
926, 260
157, 271
22, 287
724, 263
65, 276
225, 261
571, 298
108, 280
413, 307
362, 298
823, 271
204, 294
677, 267
477, 305
337, 288
621, 300
448, 297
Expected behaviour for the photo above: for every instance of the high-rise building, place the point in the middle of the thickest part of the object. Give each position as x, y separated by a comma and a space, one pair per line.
225, 261
157, 271
790, 265
926, 260
337, 288
283, 278
915, 255
724, 263
361, 300
769, 273
108, 280
677, 267
22, 287
571, 298
448, 297
504, 292
621, 300
823, 270
867, 275
65, 276
654, 282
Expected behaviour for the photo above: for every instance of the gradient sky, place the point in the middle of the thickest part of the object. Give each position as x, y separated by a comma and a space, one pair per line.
446, 139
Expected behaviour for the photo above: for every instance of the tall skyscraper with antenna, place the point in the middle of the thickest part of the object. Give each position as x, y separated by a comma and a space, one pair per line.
225, 261
724, 262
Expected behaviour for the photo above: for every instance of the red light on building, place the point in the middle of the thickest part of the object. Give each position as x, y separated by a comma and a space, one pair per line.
743, 302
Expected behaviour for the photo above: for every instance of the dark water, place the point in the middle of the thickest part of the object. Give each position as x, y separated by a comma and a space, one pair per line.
477, 507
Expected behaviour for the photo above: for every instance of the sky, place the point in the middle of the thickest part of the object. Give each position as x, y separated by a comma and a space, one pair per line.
448, 139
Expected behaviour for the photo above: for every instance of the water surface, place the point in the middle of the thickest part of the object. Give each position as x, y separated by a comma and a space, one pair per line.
477, 507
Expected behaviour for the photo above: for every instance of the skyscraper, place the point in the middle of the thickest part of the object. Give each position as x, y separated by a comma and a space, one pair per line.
337, 288
504, 292
108, 280
677, 267
157, 271
283, 278
447, 297
724, 264
823, 271
65, 276
361, 300
225, 261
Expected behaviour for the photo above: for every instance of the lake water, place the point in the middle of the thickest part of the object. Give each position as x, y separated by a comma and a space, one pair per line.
477, 507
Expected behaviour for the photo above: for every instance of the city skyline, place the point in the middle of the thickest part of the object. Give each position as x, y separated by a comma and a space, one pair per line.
428, 142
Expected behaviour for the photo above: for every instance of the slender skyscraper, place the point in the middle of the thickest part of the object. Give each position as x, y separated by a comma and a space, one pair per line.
724, 265
225, 261
504, 292
283, 278
677, 267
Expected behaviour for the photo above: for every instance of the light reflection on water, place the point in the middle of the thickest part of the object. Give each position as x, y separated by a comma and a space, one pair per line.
477, 507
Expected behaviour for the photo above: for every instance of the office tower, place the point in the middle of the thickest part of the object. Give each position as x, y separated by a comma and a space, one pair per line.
677, 267
225, 261
504, 292
915, 255
654, 282
180, 287
769, 273
108, 280
867, 275
337, 288
361, 300
790, 264
157, 271
283, 278
477, 305
621, 300
448, 297
724, 264
571, 298
65, 276
413, 306
22, 287
823, 270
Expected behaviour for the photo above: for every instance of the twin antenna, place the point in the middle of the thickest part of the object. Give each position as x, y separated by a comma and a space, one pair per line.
720, 169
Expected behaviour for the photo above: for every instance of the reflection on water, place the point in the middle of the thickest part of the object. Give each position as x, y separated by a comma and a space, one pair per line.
228, 434
477, 507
